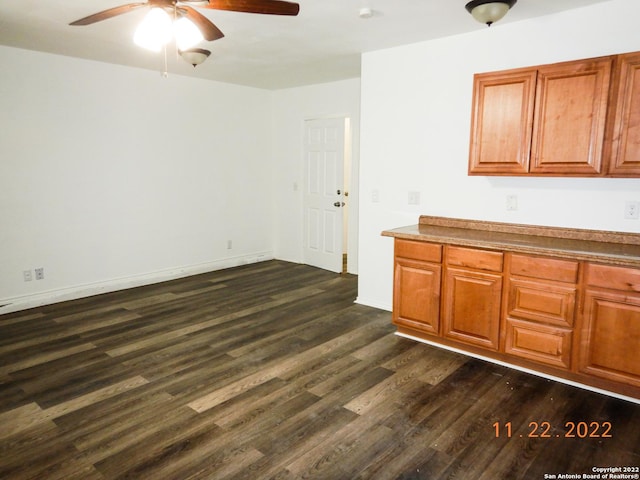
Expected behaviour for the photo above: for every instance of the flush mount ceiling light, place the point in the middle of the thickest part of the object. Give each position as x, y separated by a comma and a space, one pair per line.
489, 11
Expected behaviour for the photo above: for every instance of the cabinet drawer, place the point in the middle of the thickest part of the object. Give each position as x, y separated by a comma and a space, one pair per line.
473, 258
541, 343
615, 278
429, 252
542, 302
545, 268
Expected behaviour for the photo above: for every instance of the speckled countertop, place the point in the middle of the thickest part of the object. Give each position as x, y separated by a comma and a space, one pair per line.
616, 248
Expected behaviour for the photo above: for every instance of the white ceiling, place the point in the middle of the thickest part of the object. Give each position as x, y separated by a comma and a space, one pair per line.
322, 44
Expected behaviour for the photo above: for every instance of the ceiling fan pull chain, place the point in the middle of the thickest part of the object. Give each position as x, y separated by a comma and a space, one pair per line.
165, 73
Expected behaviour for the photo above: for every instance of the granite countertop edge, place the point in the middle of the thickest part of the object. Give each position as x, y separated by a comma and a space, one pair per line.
622, 254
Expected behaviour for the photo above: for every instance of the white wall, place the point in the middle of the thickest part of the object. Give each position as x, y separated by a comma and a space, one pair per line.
112, 176
416, 110
291, 107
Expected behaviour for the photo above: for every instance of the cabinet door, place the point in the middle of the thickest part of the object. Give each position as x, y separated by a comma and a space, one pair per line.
611, 336
472, 307
501, 122
416, 295
625, 152
570, 114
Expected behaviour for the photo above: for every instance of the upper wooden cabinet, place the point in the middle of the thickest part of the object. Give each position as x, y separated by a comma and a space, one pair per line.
502, 121
625, 151
579, 118
569, 117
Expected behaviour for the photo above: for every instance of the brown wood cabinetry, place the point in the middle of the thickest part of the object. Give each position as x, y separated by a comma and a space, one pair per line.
625, 152
416, 300
502, 122
540, 306
579, 118
610, 341
569, 118
540, 298
472, 291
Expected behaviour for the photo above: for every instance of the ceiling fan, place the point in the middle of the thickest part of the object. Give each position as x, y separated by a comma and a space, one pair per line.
184, 8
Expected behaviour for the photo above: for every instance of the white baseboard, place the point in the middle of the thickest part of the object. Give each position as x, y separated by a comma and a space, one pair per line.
521, 369
15, 304
373, 303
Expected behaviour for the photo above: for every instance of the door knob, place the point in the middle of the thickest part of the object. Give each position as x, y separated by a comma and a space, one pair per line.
338, 204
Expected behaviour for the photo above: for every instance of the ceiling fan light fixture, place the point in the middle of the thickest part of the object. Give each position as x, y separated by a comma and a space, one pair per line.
154, 31
195, 56
186, 33
489, 11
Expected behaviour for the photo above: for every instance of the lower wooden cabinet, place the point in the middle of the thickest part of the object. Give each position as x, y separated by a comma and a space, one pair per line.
569, 318
610, 341
540, 309
472, 307
417, 280
416, 299
472, 292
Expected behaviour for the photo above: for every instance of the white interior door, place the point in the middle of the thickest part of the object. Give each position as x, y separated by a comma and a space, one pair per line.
324, 193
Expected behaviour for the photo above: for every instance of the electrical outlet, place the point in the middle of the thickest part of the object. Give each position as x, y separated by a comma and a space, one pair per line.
413, 198
27, 275
229, 244
39, 273
632, 210
375, 195
512, 203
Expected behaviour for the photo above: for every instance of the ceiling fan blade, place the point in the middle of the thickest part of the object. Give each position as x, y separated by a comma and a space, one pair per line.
271, 7
105, 14
207, 28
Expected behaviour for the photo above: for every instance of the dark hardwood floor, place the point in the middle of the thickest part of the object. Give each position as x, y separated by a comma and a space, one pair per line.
271, 371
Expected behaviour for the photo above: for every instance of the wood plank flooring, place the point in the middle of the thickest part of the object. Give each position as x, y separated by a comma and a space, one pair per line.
270, 371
